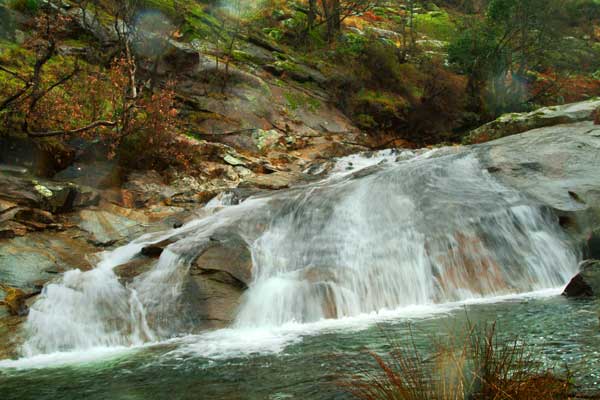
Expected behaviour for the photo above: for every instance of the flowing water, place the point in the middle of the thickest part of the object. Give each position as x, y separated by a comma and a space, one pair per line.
296, 362
388, 237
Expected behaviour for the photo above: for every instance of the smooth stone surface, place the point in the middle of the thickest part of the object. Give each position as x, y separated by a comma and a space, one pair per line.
511, 124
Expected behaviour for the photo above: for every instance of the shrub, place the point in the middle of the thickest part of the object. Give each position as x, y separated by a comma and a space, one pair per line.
480, 366
441, 105
26, 6
378, 110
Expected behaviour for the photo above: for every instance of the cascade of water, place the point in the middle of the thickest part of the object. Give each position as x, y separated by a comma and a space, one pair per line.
405, 230
87, 309
425, 230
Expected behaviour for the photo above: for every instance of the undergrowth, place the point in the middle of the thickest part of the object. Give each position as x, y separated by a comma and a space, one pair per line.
474, 365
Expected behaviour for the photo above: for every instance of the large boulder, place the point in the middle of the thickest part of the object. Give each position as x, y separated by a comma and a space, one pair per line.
41, 194
510, 124
110, 224
27, 262
214, 286
219, 277
587, 282
556, 166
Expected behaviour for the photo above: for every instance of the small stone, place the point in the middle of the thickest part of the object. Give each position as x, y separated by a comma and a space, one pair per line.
231, 160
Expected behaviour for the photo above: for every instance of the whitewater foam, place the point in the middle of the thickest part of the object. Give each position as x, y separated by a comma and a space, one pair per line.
411, 232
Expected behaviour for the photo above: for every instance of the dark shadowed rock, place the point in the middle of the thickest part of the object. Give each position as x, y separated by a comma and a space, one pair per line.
12, 229
99, 174
86, 197
156, 249
593, 245
587, 282
42, 158
46, 195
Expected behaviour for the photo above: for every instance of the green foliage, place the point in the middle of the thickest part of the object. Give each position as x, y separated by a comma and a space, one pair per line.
379, 110
166, 6
497, 52
366, 122
352, 44
17, 59
475, 51
199, 24
274, 33
27, 6
436, 24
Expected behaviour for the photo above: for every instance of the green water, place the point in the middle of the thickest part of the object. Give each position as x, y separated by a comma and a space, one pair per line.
563, 332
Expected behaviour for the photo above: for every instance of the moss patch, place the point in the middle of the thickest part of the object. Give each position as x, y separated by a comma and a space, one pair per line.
299, 100
436, 25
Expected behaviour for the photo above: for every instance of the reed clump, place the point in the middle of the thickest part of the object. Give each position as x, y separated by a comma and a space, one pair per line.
476, 365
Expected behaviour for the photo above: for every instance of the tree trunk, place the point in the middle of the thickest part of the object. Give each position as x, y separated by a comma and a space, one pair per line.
332, 13
312, 14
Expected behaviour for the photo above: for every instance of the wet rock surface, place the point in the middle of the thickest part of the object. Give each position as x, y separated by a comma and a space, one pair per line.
558, 167
587, 282
39, 239
511, 124
218, 279
129, 271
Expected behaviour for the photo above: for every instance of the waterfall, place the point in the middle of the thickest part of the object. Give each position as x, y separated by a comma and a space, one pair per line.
421, 231
383, 232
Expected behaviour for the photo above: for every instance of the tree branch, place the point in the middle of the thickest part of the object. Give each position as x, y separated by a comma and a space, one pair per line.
7, 102
93, 125
15, 74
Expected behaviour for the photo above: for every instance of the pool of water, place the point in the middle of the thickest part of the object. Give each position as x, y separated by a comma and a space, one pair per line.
301, 361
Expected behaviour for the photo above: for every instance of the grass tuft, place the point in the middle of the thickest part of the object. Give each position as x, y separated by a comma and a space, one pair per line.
474, 365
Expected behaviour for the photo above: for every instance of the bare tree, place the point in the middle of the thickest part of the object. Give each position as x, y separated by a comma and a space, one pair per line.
332, 13
127, 95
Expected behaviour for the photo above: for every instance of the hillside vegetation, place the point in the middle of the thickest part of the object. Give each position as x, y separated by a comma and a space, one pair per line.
146, 79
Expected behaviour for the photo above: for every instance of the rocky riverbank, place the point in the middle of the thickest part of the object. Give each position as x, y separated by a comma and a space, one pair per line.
49, 226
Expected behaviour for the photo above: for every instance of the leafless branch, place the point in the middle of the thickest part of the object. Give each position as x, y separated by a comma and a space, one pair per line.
93, 125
